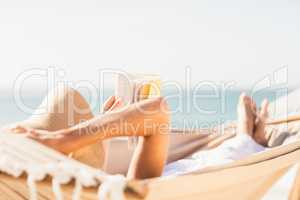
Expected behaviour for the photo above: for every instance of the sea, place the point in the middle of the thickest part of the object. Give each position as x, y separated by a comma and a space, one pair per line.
188, 108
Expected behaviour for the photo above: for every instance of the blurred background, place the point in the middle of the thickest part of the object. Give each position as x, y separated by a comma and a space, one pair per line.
246, 43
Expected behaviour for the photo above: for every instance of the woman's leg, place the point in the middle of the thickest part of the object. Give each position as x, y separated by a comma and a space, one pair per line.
150, 155
65, 107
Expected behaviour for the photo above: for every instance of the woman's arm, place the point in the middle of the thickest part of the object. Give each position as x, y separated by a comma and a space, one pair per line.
145, 118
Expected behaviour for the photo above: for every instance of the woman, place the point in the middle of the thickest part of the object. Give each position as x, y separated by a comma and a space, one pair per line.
151, 152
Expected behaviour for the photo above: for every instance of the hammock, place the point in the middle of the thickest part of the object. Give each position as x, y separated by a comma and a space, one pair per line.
266, 175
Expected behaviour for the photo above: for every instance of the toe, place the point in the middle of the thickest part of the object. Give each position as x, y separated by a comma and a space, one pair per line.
264, 109
245, 115
244, 99
254, 107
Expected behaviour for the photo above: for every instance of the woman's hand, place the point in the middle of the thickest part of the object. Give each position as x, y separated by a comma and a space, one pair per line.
53, 139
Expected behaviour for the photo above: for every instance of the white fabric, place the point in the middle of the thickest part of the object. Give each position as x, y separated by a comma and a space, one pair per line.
233, 149
113, 188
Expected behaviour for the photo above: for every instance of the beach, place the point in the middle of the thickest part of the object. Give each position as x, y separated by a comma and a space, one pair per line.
191, 110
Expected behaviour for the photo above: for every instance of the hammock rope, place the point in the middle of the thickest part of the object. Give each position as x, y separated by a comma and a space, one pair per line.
19, 155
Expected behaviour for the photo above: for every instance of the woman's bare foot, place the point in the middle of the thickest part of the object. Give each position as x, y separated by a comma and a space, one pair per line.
246, 115
260, 135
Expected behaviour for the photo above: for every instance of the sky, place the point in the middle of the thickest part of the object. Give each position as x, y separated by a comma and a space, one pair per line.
241, 41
